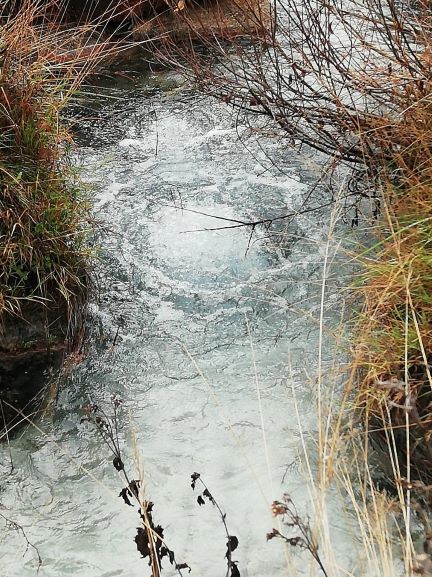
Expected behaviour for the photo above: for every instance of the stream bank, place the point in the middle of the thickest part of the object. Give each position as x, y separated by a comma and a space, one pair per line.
44, 217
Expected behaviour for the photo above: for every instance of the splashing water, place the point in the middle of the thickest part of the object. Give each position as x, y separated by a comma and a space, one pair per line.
215, 354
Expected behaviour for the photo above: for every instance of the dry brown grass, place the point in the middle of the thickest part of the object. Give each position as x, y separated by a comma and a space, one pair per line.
394, 331
43, 206
353, 81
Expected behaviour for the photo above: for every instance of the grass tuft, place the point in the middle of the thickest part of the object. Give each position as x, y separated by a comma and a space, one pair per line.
44, 209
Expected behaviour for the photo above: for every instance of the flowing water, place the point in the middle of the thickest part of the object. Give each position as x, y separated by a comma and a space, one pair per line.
209, 336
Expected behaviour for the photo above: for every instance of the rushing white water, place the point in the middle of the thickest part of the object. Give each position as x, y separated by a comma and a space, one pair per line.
217, 336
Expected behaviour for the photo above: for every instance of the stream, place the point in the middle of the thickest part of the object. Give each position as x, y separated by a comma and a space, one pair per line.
210, 338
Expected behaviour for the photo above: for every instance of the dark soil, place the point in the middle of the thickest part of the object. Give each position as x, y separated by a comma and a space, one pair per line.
32, 350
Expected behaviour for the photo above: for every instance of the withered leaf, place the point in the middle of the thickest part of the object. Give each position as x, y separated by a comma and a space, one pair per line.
116, 401
148, 511
232, 544
163, 552
159, 532
124, 494
273, 533
134, 487
141, 540
234, 570
171, 556
200, 501
118, 464
194, 477
183, 566
207, 494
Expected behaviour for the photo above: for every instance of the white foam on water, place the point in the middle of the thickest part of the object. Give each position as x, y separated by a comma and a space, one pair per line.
182, 305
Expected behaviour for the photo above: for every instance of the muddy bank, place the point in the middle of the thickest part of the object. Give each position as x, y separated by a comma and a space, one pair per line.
204, 20
33, 347
158, 19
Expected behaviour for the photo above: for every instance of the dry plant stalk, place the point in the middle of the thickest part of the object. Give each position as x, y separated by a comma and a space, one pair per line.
337, 77
353, 81
149, 538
